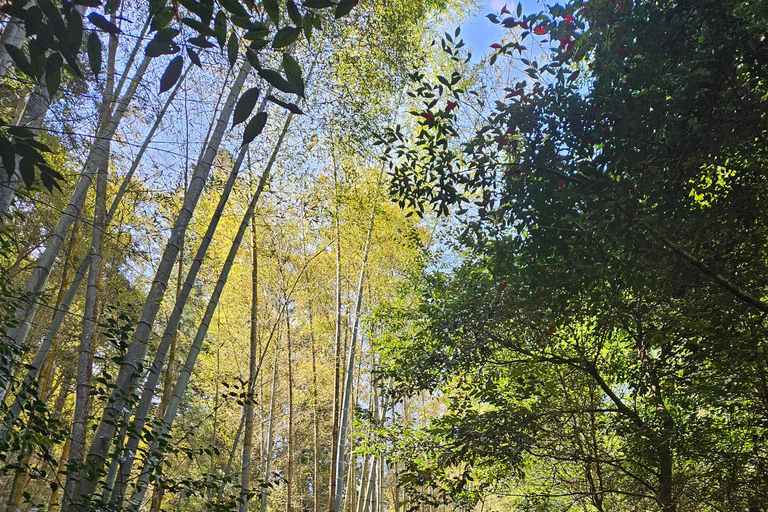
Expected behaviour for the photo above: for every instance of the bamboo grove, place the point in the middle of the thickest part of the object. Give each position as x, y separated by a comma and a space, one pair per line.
187, 268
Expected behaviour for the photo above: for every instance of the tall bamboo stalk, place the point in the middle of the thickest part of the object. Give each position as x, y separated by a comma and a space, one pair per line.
202, 331
344, 413
128, 372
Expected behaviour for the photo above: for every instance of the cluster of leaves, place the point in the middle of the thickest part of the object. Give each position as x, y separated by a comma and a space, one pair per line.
617, 221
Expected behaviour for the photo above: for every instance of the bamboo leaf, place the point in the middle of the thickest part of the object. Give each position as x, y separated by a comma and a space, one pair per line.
234, 7
291, 107
293, 74
293, 13
232, 48
276, 80
194, 57
171, 74
254, 127
94, 53
285, 36
245, 105
345, 7
101, 22
21, 61
273, 10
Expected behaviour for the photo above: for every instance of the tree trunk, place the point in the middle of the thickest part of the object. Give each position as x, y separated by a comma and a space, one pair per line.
127, 375
344, 412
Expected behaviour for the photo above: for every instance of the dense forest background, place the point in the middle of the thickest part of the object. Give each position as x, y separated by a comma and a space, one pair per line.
315, 255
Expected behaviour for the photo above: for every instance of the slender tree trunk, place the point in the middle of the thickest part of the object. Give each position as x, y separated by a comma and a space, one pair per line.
290, 447
171, 328
245, 476
127, 375
98, 153
315, 421
186, 372
47, 346
336, 356
85, 354
270, 432
344, 413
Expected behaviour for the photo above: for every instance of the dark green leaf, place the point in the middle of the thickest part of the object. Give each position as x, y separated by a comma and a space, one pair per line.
8, 155
171, 74
50, 178
291, 107
155, 48
318, 4
285, 36
258, 44
276, 80
94, 53
345, 7
234, 7
273, 10
308, 25
220, 28
87, 3
155, 6
27, 171
232, 47
52, 82
101, 22
201, 42
162, 19
293, 74
19, 59
245, 105
166, 34
254, 127
293, 12
241, 21
194, 57
202, 29
75, 28
53, 63
252, 58
111, 6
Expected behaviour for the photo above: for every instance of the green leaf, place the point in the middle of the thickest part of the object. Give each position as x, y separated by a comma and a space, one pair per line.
293, 12
293, 74
155, 6
50, 178
220, 28
234, 7
101, 22
276, 80
94, 53
194, 57
201, 42
308, 25
245, 105
318, 4
273, 10
162, 19
171, 74
8, 156
254, 127
156, 47
232, 47
202, 29
258, 44
285, 36
19, 59
27, 171
53, 81
519, 10
75, 28
345, 7
291, 107
111, 6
